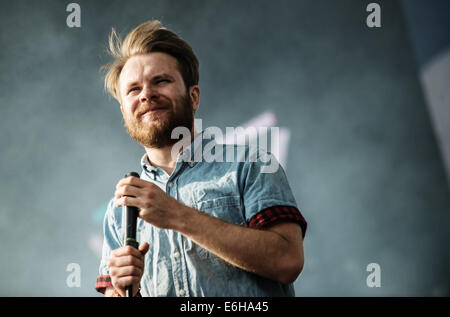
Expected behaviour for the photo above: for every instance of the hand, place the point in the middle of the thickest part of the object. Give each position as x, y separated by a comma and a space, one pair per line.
155, 206
126, 267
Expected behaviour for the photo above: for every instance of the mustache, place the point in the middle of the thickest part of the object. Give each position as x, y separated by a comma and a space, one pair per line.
145, 107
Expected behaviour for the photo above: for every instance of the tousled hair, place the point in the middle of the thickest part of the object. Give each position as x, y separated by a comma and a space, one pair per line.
146, 38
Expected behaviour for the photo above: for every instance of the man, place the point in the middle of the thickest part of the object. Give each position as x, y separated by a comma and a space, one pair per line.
207, 228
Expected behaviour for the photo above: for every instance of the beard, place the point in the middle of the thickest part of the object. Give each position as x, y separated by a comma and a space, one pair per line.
157, 134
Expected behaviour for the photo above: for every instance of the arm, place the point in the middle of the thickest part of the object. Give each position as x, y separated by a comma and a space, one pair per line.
276, 252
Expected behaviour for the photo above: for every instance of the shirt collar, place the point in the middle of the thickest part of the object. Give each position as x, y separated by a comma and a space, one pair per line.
185, 156
145, 163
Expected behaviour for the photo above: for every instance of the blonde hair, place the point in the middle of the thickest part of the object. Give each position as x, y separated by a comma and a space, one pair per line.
149, 37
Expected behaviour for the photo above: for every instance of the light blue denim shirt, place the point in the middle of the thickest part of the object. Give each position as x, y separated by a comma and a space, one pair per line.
232, 191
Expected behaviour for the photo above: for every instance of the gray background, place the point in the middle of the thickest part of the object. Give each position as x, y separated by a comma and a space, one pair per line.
363, 162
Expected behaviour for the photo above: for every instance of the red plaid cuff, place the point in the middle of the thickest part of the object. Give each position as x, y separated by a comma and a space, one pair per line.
103, 281
278, 213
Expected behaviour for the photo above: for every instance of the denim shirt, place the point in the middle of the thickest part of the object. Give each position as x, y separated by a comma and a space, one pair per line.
232, 191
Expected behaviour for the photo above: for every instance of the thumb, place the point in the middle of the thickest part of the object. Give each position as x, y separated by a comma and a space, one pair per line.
143, 248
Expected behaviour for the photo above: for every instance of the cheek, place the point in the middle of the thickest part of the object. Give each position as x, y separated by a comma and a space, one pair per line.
130, 105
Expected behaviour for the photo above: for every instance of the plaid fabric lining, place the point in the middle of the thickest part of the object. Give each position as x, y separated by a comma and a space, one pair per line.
103, 281
278, 213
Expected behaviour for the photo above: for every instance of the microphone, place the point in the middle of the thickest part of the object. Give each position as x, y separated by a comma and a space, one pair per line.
130, 214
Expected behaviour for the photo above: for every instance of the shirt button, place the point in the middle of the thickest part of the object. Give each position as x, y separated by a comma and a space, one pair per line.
191, 163
170, 184
176, 255
181, 292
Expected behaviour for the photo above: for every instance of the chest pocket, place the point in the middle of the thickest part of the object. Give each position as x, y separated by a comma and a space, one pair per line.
227, 208
216, 196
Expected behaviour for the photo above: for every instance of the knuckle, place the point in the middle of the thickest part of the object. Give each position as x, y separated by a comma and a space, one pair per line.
115, 282
127, 280
113, 271
130, 259
134, 271
112, 262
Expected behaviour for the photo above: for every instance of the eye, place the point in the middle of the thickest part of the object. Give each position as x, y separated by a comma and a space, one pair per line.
162, 81
133, 89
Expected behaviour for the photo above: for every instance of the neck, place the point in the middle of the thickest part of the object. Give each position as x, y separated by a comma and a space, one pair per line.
162, 157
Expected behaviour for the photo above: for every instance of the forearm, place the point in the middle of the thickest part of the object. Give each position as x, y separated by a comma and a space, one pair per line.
262, 252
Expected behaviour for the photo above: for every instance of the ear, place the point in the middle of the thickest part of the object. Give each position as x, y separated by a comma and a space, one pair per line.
194, 94
121, 109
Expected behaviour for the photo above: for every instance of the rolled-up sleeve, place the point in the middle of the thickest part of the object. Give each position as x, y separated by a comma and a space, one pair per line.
275, 214
267, 196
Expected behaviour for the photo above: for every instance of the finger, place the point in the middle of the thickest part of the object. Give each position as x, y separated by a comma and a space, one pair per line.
136, 182
127, 201
122, 282
135, 258
127, 260
126, 251
130, 270
127, 190
143, 248
131, 180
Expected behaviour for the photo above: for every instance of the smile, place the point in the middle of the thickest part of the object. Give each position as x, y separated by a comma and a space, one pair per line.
149, 111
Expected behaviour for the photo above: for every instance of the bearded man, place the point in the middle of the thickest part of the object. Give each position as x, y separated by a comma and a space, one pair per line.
207, 228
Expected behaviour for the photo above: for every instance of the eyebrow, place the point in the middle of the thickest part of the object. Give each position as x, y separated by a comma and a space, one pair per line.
155, 78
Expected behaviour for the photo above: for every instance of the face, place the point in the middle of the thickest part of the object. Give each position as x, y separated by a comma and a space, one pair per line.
154, 100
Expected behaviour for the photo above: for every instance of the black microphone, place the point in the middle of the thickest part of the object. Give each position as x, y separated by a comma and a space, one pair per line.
130, 214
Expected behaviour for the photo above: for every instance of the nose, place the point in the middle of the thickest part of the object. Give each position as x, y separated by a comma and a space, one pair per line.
147, 94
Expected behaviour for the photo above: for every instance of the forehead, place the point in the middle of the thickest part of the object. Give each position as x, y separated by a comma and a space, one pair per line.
146, 66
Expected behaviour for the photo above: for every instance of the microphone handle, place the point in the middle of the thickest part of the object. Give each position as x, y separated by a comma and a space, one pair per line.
131, 217
131, 214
